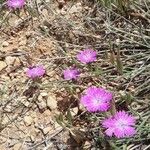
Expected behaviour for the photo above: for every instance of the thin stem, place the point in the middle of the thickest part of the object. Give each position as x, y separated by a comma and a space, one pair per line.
113, 107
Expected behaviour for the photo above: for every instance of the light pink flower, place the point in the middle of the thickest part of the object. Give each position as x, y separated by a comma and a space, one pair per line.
70, 74
96, 99
35, 72
120, 125
87, 56
14, 4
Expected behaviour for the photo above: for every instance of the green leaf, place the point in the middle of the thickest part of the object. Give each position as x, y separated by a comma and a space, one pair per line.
97, 71
59, 119
119, 63
69, 117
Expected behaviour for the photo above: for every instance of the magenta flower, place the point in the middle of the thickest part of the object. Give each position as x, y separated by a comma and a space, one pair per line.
15, 3
35, 72
96, 99
120, 125
87, 56
70, 74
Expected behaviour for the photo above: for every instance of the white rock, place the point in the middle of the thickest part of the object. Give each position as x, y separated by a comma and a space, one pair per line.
42, 105
17, 62
10, 60
46, 130
28, 120
17, 146
74, 111
5, 44
26, 103
40, 98
51, 102
43, 94
2, 65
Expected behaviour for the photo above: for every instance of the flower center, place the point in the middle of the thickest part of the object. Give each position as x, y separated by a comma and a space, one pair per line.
16, 3
97, 100
121, 124
87, 56
70, 74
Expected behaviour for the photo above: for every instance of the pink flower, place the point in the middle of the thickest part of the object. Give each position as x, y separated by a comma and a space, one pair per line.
120, 125
70, 74
15, 3
35, 72
96, 99
87, 56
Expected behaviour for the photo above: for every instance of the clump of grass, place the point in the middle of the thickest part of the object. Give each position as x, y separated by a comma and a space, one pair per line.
121, 5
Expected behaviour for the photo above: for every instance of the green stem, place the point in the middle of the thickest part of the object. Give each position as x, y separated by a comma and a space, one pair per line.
113, 107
